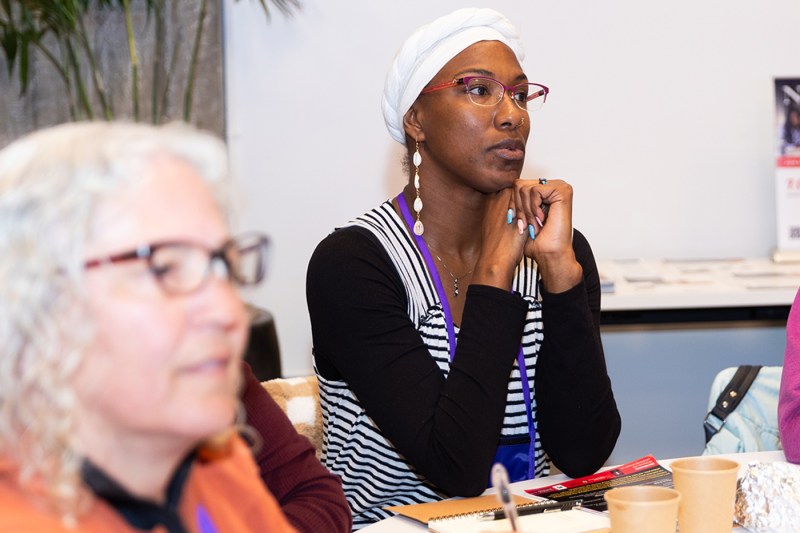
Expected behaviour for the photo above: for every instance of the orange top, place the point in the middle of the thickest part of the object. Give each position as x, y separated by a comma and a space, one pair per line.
223, 494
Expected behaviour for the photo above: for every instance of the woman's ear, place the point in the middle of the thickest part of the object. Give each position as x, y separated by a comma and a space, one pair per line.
412, 124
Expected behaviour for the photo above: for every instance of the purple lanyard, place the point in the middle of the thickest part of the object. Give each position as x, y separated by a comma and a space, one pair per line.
451, 335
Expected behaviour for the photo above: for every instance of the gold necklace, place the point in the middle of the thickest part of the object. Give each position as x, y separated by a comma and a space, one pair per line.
455, 278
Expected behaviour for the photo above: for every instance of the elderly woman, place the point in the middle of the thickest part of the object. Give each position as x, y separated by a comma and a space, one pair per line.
122, 335
457, 325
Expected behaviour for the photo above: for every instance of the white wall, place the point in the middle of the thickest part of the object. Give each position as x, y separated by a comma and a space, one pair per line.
661, 115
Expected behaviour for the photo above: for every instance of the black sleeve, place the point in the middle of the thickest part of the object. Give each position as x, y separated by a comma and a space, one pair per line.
447, 429
578, 419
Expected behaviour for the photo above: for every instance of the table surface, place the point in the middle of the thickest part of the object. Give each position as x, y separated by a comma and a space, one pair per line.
398, 524
671, 284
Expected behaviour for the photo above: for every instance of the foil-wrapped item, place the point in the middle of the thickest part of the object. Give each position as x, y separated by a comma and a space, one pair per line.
768, 498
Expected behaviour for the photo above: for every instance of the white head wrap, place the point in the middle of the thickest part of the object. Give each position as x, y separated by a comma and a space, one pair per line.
430, 48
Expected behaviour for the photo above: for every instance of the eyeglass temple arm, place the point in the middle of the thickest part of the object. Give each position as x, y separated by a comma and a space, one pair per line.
444, 85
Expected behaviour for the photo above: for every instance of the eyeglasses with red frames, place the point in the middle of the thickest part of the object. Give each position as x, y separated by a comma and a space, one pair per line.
486, 91
183, 267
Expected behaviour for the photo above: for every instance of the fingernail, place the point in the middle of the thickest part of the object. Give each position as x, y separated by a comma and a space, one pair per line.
539, 221
521, 226
510, 216
531, 231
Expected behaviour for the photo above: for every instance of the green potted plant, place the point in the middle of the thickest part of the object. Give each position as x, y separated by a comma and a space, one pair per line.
62, 33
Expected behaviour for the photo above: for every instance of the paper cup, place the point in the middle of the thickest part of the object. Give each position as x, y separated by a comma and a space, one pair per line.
708, 489
642, 509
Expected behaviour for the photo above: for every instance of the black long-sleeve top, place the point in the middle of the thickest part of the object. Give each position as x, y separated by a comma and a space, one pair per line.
447, 425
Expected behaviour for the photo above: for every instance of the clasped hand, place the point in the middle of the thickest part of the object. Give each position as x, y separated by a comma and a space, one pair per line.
534, 218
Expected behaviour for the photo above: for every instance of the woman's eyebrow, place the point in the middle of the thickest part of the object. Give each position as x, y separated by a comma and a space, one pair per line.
484, 72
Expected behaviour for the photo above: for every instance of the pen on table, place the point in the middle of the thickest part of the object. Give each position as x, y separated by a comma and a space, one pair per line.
532, 508
500, 482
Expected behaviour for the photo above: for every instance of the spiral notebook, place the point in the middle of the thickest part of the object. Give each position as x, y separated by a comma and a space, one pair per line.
573, 521
461, 516
456, 507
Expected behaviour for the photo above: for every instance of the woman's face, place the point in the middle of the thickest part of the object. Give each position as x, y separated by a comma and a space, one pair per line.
794, 118
160, 366
484, 145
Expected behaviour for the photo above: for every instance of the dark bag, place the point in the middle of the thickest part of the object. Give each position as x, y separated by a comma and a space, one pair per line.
729, 398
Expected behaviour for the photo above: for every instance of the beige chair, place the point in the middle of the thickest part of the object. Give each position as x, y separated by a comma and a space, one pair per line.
299, 399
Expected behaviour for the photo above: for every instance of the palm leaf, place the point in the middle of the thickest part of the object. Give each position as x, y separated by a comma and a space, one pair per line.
287, 7
24, 63
9, 40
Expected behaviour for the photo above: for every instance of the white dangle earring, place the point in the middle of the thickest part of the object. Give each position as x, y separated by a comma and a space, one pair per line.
419, 229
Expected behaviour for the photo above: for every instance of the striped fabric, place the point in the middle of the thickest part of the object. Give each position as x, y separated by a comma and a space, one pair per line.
373, 474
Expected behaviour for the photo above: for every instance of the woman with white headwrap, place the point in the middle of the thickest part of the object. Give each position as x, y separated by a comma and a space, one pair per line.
457, 324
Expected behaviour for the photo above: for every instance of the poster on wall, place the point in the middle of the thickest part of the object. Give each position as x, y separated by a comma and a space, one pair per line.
787, 168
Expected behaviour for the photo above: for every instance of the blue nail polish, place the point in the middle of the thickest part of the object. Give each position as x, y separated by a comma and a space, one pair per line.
510, 216
531, 231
